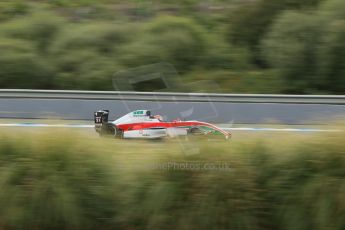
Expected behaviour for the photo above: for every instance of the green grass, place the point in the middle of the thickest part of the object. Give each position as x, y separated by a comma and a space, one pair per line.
63, 180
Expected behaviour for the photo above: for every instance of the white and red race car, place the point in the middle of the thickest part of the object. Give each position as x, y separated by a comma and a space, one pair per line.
141, 124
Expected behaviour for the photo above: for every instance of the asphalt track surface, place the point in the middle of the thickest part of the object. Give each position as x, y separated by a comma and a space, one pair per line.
215, 108
216, 112
89, 126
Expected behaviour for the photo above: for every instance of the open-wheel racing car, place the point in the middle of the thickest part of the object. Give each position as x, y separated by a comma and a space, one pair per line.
142, 124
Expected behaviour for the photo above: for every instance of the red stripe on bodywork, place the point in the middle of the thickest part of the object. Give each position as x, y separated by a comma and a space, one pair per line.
148, 125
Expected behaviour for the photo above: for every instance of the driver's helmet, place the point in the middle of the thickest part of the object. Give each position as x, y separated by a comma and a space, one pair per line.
159, 117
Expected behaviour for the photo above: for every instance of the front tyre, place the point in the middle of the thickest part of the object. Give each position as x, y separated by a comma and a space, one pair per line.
195, 131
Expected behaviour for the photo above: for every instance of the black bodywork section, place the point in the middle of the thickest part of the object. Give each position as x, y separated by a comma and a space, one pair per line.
102, 126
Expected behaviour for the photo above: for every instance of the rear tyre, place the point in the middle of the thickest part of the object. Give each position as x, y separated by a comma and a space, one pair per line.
115, 131
107, 129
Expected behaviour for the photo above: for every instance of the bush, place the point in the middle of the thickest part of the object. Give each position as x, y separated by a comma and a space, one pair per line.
87, 56
64, 181
21, 67
250, 22
10, 9
291, 48
80, 44
53, 183
84, 69
104, 38
178, 41
41, 28
307, 49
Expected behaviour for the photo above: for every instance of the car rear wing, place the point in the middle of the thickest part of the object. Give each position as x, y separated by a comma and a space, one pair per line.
101, 116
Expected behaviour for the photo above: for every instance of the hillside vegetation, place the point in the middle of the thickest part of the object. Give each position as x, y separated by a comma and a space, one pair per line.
257, 46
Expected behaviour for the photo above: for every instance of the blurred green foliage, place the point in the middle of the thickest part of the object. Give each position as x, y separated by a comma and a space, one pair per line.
292, 46
53, 184
64, 180
308, 48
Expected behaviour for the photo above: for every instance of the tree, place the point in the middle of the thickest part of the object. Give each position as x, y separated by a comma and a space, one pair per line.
308, 49
40, 28
331, 59
291, 47
21, 67
178, 41
250, 22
